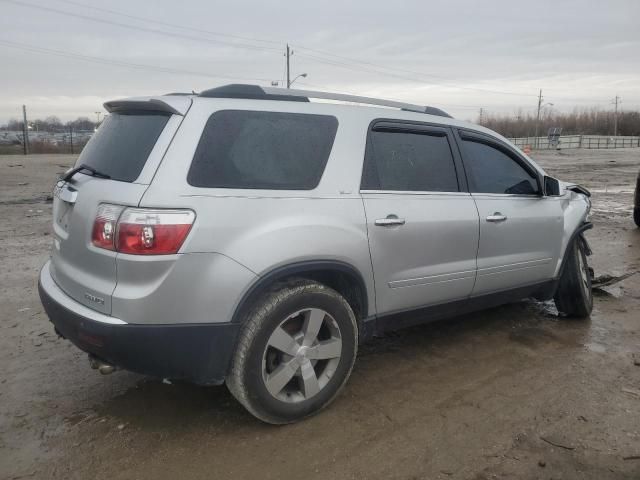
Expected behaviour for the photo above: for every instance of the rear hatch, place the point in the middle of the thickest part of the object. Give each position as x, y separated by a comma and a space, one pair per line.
121, 159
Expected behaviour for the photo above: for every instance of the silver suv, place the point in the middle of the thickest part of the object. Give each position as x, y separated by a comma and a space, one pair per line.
249, 236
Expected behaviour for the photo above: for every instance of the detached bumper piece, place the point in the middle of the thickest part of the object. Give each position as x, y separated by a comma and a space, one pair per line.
199, 353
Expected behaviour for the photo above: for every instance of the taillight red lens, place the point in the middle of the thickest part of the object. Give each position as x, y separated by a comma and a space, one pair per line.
153, 232
103, 234
141, 231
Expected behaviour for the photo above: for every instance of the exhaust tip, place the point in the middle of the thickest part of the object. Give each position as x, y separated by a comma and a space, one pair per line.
106, 369
103, 367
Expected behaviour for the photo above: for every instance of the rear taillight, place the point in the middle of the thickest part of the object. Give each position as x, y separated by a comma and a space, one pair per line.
141, 231
153, 232
103, 234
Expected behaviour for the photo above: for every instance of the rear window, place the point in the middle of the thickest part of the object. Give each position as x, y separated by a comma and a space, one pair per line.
122, 144
267, 150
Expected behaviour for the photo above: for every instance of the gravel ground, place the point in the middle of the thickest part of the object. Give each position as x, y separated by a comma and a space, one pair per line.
512, 392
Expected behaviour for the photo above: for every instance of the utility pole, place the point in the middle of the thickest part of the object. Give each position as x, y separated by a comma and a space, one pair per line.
538, 116
25, 130
480, 120
615, 115
289, 53
71, 136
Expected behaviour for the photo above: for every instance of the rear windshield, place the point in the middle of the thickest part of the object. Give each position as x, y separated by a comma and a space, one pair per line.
268, 150
122, 144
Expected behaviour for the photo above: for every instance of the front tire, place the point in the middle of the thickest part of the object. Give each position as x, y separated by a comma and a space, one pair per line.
295, 352
574, 296
636, 216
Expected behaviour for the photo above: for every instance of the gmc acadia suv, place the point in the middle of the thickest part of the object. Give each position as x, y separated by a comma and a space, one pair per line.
251, 237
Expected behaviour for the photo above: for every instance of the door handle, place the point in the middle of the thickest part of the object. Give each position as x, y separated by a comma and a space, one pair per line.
496, 217
390, 221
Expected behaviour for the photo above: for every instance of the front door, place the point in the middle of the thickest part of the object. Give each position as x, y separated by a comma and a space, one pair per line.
422, 225
520, 229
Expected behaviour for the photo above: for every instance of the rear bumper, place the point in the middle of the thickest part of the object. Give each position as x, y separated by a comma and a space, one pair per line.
200, 353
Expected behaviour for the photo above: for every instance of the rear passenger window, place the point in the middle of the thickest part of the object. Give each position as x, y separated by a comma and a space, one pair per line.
493, 171
408, 161
269, 150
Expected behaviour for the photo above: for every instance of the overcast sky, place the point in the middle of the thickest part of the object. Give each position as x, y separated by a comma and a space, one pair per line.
456, 55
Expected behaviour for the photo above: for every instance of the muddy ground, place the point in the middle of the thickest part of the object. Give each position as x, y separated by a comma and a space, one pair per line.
514, 392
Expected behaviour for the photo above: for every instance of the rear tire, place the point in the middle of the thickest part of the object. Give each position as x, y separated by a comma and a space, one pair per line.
636, 216
574, 296
295, 352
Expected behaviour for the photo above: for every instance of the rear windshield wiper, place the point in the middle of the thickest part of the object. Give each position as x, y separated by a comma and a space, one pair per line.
83, 167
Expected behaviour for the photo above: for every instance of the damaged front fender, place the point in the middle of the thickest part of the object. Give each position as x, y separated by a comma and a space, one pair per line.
576, 205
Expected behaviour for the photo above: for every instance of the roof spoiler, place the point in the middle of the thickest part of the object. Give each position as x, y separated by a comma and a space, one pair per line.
147, 105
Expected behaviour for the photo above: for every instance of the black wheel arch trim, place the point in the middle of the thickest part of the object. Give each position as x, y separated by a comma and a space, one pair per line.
265, 280
578, 233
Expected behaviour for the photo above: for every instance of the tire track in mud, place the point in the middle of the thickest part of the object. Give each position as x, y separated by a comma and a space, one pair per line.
28, 201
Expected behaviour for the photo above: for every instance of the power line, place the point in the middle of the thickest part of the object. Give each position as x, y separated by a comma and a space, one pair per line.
418, 80
107, 61
168, 24
353, 61
140, 28
325, 88
354, 66
403, 77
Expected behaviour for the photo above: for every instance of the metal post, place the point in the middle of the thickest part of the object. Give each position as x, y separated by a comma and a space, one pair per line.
288, 73
538, 117
25, 130
71, 137
615, 116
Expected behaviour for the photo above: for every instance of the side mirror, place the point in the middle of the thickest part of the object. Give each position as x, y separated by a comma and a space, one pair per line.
551, 187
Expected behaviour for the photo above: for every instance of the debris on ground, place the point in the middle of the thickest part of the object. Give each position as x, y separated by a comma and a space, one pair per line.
631, 391
557, 443
608, 280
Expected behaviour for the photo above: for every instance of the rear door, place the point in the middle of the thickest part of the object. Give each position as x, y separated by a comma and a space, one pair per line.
422, 224
127, 147
520, 229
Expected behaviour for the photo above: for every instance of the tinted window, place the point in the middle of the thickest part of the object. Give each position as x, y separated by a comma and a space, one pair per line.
243, 149
407, 161
122, 144
493, 171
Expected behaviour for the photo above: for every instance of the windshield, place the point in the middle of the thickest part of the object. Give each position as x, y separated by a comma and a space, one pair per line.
122, 144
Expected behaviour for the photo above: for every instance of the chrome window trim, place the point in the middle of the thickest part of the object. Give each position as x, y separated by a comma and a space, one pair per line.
413, 192
508, 195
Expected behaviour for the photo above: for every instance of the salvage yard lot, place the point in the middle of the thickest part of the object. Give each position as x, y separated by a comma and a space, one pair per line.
513, 392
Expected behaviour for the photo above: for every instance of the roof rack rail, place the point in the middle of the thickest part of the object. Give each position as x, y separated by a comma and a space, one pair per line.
256, 92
